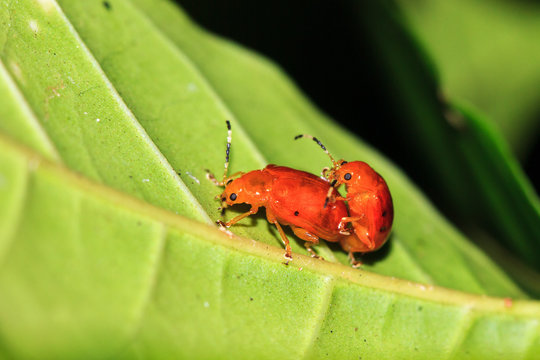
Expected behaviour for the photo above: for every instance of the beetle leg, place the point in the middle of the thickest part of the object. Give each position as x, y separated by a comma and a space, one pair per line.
311, 251
330, 197
324, 172
229, 178
236, 219
354, 263
344, 221
210, 176
309, 238
288, 251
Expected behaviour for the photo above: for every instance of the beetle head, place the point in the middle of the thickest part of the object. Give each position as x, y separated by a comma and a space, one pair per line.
355, 174
251, 188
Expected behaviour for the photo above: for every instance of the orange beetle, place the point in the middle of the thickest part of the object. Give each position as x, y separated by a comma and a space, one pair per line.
291, 197
370, 202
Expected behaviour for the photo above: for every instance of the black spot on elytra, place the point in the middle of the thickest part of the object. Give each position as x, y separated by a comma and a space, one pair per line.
296, 213
383, 229
107, 5
384, 213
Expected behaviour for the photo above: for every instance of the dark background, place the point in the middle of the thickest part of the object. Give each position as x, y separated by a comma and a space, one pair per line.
322, 47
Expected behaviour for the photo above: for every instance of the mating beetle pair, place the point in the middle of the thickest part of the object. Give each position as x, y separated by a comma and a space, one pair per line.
312, 206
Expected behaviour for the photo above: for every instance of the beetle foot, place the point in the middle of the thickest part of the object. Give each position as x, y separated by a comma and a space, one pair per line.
221, 224
354, 263
288, 258
223, 227
313, 254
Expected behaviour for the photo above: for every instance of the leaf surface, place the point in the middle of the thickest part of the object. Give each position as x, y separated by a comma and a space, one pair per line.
465, 159
114, 276
96, 261
475, 45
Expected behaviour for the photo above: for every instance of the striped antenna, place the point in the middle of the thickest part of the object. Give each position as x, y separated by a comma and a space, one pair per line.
211, 176
228, 151
334, 163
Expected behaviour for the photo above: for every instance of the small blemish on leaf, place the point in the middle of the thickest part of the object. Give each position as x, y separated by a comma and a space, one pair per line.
107, 5
33, 26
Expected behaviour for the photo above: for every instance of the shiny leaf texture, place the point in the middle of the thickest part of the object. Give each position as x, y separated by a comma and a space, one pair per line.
118, 260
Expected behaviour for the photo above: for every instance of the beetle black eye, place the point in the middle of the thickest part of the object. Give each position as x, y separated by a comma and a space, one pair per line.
347, 176
232, 197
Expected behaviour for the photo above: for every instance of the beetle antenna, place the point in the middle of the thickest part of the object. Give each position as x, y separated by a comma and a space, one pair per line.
211, 176
334, 163
228, 151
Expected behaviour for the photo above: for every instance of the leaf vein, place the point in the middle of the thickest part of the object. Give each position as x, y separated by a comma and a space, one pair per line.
324, 308
148, 293
144, 135
461, 332
210, 87
17, 219
29, 114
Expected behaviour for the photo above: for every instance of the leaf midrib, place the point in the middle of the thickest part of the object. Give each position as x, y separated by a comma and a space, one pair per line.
238, 128
29, 112
520, 308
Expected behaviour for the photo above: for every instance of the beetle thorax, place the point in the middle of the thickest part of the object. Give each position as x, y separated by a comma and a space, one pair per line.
251, 188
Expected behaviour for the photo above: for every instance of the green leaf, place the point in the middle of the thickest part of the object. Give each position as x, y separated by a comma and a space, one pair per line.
22, 123
515, 207
113, 276
100, 264
475, 45
464, 157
